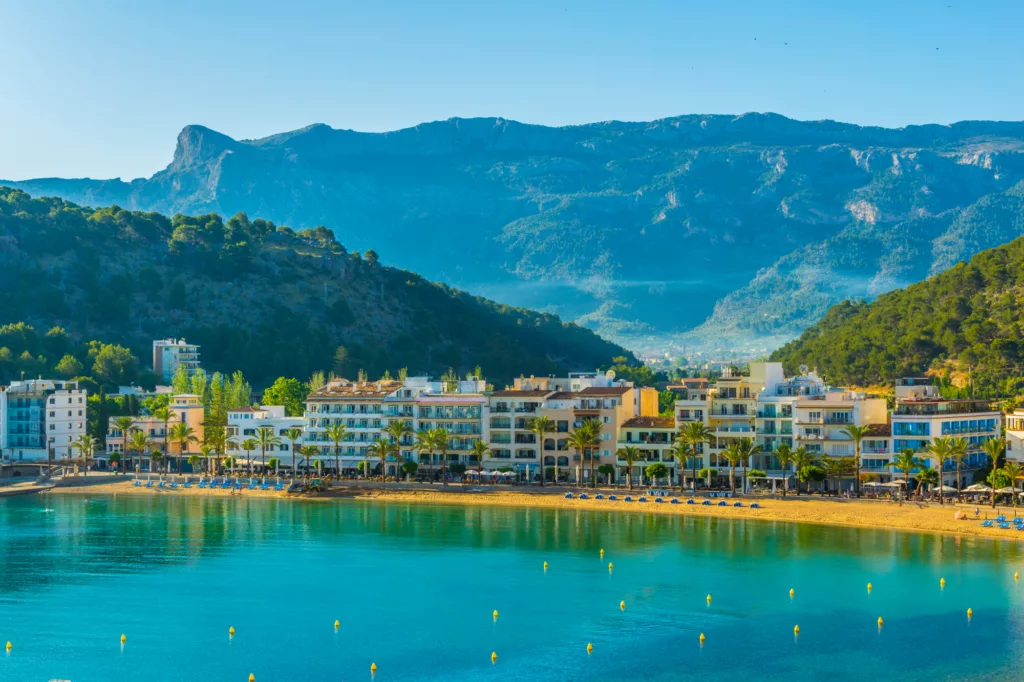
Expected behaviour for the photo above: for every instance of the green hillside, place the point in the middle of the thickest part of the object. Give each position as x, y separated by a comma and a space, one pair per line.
258, 297
965, 321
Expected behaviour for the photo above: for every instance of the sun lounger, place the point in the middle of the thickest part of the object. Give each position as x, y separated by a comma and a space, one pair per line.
706, 503
149, 484
612, 497
986, 524
162, 485
642, 499
279, 486
738, 504
265, 486
569, 496
584, 496
1004, 525
1000, 518
691, 501
137, 483
174, 484
1019, 520
755, 505
658, 499
675, 500
628, 498
599, 496
723, 503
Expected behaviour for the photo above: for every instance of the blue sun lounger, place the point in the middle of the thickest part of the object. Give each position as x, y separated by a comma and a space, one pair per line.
599, 496
628, 498
738, 504
691, 501
675, 500
613, 498
723, 503
706, 503
137, 483
569, 496
755, 505
584, 496
642, 499
986, 524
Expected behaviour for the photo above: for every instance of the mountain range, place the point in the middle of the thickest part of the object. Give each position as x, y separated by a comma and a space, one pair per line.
709, 231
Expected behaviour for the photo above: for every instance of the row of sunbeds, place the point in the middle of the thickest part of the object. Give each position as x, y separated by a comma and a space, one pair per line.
657, 500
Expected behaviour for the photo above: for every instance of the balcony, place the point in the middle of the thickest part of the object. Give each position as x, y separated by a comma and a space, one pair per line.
839, 421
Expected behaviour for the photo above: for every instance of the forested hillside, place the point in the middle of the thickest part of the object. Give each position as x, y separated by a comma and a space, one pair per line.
261, 298
966, 321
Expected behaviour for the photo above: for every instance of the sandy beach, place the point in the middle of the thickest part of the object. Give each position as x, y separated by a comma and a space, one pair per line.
910, 516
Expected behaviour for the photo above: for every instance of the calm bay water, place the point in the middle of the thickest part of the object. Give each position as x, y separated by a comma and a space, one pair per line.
414, 588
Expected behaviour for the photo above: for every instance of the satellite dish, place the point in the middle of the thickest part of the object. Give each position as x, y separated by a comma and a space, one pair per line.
610, 374
803, 369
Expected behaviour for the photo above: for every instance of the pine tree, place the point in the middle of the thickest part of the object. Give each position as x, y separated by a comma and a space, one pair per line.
180, 383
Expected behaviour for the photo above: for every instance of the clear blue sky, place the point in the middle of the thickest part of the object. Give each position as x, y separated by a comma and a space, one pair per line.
102, 88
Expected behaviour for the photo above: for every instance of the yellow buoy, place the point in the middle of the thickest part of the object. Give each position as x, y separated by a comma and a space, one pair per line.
123, 639
602, 552
495, 614
373, 668
545, 565
1016, 576
337, 624
494, 656
231, 631
709, 598
942, 582
791, 592
869, 587
796, 629
590, 648
622, 604
610, 565
879, 621
970, 613
702, 638
252, 678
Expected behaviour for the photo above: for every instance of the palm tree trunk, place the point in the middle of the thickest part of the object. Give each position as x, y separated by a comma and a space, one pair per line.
958, 479
693, 481
732, 476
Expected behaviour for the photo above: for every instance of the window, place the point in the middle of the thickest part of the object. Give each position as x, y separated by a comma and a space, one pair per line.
53, 427
53, 414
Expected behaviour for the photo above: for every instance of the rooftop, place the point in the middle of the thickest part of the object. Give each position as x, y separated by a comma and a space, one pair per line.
605, 390
514, 393
651, 422
343, 388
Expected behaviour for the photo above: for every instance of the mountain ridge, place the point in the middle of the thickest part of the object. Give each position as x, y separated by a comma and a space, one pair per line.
641, 230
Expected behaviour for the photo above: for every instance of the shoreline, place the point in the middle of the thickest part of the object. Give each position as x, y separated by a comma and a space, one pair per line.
876, 514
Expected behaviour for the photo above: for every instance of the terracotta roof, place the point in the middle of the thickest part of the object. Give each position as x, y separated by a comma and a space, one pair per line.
342, 388
651, 422
242, 409
605, 390
879, 430
513, 393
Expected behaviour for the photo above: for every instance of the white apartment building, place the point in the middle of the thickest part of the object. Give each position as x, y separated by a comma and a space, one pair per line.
40, 416
169, 354
245, 423
921, 415
365, 408
1015, 436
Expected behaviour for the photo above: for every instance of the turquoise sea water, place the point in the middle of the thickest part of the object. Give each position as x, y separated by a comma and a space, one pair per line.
414, 588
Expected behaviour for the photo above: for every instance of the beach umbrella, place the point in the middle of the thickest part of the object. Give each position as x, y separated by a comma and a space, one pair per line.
947, 489
978, 488
1006, 491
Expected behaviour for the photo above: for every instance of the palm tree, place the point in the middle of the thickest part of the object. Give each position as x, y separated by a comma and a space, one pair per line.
696, 434
593, 427
124, 425
994, 448
479, 450
85, 445
630, 453
747, 449
381, 448
802, 458
940, 450
266, 438
398, 430
958, 448
856, 434
249, 444
308, 452
441, 441
182, 434
733, 454
336, 432
293, 434
905, 461
579, 440
206, 451
426, 442
194, 460
1013, 471
680, 450
541, 426
929, 476
786, 456
141, 443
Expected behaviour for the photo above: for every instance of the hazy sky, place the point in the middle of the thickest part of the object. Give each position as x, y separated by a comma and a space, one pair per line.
102, 88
